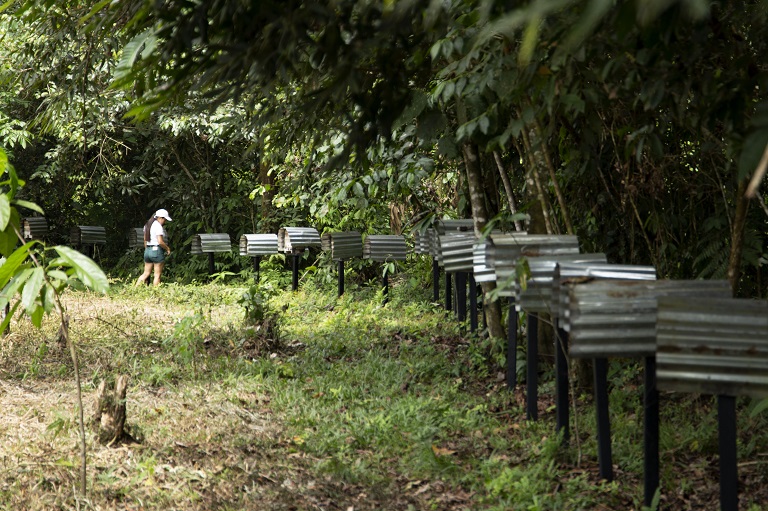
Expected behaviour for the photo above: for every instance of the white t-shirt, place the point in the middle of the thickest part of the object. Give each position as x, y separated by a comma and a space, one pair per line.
155, 231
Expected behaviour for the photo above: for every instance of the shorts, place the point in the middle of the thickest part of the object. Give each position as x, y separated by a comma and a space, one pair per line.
154, 255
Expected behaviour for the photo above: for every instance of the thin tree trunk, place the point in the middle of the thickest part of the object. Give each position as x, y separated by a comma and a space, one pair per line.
80, 413
737, 236
268, 180
553, 177
480, 216
534, 183
507, 189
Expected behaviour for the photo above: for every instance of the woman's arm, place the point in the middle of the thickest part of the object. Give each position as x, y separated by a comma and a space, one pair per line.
163, 244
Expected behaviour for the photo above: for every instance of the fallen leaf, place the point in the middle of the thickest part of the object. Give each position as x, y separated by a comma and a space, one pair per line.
442, 451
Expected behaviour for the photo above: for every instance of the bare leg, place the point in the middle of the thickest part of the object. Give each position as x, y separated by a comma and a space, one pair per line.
158, 272
144, 276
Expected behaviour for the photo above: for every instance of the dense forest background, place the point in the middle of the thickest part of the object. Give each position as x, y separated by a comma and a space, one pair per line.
635, 125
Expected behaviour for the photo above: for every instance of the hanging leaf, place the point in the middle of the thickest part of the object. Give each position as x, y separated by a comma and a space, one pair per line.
5, 211
87, 271
13, 263
31, 291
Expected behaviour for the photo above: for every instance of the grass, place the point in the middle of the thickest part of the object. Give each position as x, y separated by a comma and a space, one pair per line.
353, 405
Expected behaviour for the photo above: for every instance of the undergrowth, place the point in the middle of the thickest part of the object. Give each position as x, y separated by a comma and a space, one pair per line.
247, 397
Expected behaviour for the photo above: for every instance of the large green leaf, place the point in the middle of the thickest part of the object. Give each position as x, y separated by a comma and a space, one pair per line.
7, 319
12, 264
5, 211
28, 205
86, 270
31, 290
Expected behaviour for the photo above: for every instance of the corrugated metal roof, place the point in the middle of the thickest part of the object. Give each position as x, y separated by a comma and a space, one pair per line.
136, 237
576, 272
35, 227
342, 245
448, 225
291, 239
537, 295
503, 252
385, 247
617, 318
433, 243
420, 242
258, 244
88, 235
483, 272
211, 243
713, 346
456, 251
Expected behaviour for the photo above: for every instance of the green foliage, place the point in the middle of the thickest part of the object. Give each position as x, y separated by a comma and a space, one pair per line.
26, 271
186, 340
255, 304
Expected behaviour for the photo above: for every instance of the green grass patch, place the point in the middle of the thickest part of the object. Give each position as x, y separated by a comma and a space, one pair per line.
326, 402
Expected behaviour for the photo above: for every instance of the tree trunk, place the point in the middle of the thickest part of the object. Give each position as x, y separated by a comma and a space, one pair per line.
268, 180
737, 236
474, 174
507, 189
109, 411
555, 185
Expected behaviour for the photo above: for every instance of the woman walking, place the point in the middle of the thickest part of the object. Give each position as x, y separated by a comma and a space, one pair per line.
155, 246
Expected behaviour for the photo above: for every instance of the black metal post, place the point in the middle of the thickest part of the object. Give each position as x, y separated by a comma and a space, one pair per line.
295, 264
562, 411
448, 292
435, 280
461, 296
729, 479
341, 277
512, 345
256, 267
604, 455
211, 267
385, 287
532, 383
6, 311
651, 431
472, 304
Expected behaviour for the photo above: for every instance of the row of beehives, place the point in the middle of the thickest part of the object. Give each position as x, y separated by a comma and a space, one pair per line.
37, 228
693, 335
341, 245
609, 309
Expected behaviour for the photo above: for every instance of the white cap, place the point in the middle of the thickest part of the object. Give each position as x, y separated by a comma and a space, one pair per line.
162, 213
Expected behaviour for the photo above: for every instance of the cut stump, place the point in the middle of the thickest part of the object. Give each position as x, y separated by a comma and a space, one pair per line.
109, 411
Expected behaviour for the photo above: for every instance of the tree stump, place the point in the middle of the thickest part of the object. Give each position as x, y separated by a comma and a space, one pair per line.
109, 411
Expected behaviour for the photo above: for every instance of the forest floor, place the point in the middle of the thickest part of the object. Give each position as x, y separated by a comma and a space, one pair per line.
337, 403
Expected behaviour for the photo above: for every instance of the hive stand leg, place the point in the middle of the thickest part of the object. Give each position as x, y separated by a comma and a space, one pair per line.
448, 292
6, 311
562, 404
729, 479
461, 296
341, 277
604, 455
512, 345
385, 287
295, 264
256, 268
211, 267
651, 431
472, 304
532, 383
435, 280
